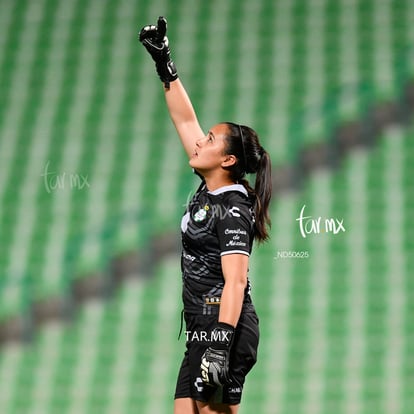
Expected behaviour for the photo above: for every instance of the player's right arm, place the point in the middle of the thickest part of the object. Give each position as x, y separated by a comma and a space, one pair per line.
178, 102
183, 116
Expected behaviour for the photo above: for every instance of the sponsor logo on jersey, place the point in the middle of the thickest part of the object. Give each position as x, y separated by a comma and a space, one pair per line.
235, 237
213, 301
189, 257
235, 231
234, 211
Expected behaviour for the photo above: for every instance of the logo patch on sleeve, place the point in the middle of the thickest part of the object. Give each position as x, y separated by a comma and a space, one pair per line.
234, 211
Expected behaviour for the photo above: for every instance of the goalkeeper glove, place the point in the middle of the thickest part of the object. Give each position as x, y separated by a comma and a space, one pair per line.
216, 358
156, 42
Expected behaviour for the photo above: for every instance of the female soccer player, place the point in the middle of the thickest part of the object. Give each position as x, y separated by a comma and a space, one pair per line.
218, 229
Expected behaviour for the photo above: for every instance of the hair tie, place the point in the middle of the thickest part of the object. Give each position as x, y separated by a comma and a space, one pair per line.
262, 152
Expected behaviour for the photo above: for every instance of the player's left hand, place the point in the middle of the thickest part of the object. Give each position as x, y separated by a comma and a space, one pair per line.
215, 361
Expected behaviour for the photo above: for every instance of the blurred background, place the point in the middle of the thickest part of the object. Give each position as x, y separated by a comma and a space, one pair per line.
93, 183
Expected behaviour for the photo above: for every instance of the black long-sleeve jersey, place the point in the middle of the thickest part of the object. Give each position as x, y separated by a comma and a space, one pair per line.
215, 223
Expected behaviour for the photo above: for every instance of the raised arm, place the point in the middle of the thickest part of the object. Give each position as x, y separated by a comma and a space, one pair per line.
179, 105
183, 116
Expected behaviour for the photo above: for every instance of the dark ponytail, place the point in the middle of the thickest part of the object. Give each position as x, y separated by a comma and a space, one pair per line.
243, 143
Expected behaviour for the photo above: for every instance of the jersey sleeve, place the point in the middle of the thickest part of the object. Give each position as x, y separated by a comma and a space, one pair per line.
234, 230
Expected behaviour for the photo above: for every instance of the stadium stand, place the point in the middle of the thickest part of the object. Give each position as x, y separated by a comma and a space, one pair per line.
336, 321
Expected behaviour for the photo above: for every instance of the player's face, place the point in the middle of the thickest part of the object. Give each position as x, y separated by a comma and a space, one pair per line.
209, 152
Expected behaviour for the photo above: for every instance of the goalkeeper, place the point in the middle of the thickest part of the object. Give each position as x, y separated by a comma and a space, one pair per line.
218, 228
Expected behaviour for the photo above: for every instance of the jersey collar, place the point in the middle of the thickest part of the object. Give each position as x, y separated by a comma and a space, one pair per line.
232, 187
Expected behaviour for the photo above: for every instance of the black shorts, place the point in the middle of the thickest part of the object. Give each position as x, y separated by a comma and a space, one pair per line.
242, 358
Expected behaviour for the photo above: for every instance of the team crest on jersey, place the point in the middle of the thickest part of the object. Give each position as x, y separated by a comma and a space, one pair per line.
201, 214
